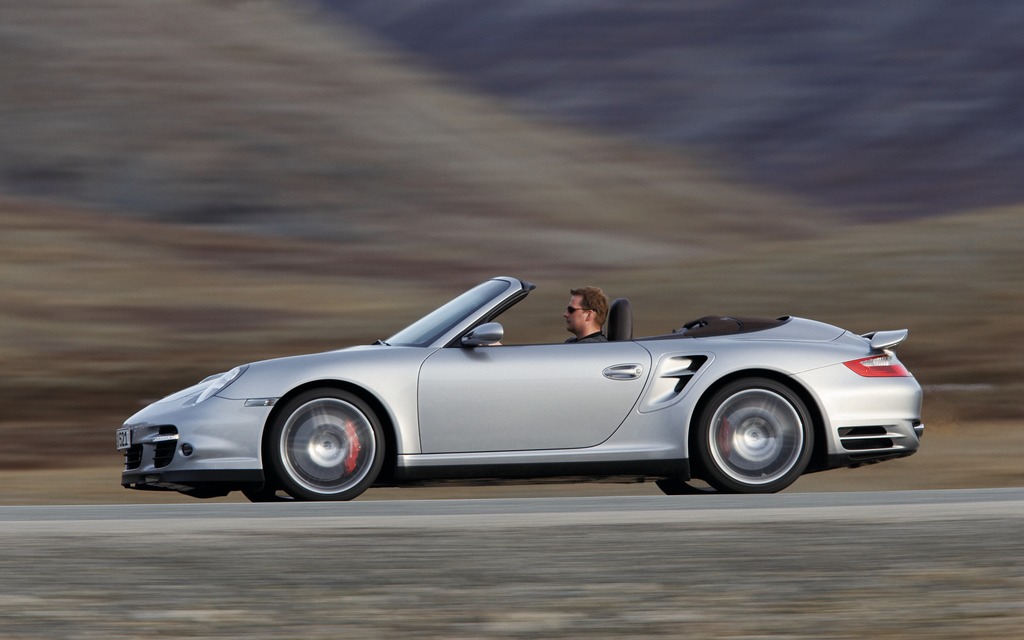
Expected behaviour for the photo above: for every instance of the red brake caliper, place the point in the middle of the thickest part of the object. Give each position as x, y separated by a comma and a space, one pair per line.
353, 448
725, 437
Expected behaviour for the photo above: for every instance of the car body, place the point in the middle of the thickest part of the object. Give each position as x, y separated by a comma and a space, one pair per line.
744, 405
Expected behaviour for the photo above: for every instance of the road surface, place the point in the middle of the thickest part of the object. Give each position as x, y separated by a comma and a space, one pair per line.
926, 564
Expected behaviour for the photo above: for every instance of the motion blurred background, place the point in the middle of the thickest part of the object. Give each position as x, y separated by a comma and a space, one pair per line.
186, 185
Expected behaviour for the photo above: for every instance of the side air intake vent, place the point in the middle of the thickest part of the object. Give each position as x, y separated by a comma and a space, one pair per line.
671, 377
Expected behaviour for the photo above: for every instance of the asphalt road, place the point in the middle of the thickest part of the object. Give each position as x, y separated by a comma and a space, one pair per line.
944, 564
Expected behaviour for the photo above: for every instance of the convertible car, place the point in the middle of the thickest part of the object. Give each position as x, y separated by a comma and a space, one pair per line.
738, 405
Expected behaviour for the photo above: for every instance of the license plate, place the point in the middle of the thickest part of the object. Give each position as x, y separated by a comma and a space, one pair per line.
124, 438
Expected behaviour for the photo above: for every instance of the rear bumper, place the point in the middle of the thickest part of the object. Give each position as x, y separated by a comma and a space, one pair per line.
866, 420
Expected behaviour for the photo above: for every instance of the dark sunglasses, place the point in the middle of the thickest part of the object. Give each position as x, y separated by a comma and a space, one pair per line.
572, 309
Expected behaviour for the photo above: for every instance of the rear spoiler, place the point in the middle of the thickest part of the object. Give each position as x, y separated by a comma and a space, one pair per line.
882, 340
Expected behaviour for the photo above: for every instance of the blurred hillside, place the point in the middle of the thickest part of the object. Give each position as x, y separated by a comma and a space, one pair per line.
884, 109
252, 116
190, 185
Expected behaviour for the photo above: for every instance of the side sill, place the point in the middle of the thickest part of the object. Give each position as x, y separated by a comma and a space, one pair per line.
527, 471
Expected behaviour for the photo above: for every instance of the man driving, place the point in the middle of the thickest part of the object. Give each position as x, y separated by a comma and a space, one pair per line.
585, 315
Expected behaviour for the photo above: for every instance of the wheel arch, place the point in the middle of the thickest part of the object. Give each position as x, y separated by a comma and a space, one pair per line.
819, 453
387, 423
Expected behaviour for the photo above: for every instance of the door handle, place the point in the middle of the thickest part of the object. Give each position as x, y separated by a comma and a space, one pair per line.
623, 372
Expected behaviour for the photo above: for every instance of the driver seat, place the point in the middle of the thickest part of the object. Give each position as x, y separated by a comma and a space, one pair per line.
620, 320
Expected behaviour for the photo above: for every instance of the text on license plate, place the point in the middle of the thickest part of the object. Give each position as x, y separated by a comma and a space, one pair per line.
124, 438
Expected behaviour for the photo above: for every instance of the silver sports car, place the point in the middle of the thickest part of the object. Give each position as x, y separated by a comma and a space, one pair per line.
743, 405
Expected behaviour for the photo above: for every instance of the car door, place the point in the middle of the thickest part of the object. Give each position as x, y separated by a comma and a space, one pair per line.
529, 397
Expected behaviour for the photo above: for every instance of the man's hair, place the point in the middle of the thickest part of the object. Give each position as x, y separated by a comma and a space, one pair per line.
595, 300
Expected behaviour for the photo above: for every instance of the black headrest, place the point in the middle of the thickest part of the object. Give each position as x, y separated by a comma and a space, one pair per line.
620, 320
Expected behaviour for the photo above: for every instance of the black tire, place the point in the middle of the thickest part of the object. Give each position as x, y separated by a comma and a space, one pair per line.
754, 436
325, 444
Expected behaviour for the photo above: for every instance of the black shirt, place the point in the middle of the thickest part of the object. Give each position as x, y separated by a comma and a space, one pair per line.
594, 337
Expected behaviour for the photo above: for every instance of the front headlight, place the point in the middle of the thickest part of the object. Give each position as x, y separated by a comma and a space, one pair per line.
221, 382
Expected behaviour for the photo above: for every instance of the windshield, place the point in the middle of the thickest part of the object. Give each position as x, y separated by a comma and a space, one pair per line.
428, 329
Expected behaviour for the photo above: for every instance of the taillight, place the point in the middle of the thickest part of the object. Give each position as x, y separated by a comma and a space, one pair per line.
883, 366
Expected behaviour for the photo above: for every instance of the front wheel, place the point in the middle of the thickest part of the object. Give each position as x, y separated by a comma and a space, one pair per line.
754, 436
326, 445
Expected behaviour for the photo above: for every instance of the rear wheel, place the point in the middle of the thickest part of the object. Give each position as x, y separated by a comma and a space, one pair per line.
325, 444
754, 436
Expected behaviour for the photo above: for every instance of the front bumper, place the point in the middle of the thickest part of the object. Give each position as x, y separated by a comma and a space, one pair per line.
206, 449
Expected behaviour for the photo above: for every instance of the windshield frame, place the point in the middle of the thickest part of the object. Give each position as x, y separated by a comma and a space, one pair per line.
458, 315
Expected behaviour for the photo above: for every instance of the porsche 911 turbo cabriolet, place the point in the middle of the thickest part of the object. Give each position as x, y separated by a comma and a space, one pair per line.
739, 405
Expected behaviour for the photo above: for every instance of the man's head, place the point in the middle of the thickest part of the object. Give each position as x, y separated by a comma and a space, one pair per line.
587, 310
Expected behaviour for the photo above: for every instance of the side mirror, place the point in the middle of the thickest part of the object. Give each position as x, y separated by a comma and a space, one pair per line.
486, 334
